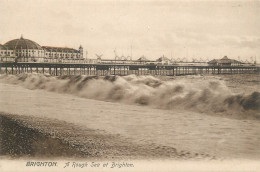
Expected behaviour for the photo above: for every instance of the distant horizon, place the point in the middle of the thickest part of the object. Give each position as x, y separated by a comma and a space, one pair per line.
174, 29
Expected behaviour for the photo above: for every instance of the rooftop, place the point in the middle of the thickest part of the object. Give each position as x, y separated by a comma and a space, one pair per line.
22, 44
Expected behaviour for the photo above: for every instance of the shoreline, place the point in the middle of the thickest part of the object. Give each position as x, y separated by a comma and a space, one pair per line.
27, 137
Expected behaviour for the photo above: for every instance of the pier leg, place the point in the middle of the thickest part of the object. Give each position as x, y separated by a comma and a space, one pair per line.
114, 70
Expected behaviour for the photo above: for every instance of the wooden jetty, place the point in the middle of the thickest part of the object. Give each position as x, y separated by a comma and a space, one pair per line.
58, 69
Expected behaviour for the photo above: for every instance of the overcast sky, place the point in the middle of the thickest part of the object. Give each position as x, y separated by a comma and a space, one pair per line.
176, 29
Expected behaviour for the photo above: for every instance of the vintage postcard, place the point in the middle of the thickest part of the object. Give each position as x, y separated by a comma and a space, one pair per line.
120, 85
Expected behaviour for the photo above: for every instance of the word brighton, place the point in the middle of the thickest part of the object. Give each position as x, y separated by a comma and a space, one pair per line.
42, 164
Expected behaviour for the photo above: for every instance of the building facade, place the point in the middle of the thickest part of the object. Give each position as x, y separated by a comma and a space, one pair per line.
25, 50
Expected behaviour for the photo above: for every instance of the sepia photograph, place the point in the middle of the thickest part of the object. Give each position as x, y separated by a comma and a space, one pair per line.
121, 85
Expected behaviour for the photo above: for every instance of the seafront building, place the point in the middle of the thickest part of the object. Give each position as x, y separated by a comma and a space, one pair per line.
25, 50
225, 61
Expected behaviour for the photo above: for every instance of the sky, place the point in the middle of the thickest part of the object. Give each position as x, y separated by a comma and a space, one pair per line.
176, 29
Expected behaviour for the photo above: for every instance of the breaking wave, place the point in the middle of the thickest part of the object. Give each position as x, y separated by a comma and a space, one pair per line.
204, 96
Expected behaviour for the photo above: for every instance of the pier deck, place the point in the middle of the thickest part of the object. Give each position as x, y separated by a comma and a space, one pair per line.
58, 69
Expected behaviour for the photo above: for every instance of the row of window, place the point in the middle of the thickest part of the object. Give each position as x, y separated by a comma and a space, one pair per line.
56, 55
7, 52
41, 51
50, 55
4, 52
28, 55
34, 51
38, 51
62, 55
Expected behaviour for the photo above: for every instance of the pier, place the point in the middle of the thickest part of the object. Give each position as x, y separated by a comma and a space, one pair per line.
59, 69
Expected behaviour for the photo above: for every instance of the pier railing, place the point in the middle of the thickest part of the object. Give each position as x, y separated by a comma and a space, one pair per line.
57, 69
